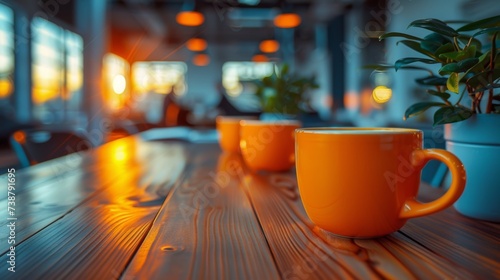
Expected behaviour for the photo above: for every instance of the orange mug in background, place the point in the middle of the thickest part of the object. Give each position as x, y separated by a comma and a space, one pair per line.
362, 182
229, 132
268, 145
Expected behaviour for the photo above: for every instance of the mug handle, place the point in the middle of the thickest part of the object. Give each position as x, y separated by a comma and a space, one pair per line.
412, 208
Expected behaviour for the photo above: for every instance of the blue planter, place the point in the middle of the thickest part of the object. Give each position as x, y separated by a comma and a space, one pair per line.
476, 142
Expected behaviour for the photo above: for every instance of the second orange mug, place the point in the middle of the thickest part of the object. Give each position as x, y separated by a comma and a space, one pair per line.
362, 182
228, 128
268, 145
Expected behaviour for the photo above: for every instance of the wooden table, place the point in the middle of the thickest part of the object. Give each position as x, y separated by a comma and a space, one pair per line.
133, 209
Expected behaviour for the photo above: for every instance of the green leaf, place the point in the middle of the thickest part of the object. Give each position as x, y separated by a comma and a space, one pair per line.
482, 60
398, 34
421, 107
433, 41
482, 79
452, 82
268, 81
408, 60
454, 55
430, 45
436, 26
284, 69
448, 68
444, 49
460, 55
457, 21
471, 51
383, 67
451, 114
465, 39
459, 67
436, 37
487, 88
416, 47
487, 30
432, 81
483, 23
466, 64
443, 95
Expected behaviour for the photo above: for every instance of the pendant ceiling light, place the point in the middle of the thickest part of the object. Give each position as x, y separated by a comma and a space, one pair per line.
196, 44
260, 58
287, 18
188, 16
201, 59
269, 46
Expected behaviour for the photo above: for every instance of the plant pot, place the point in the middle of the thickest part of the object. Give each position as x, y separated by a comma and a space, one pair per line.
476, 142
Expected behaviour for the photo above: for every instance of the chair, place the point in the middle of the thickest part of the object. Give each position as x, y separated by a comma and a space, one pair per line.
38, 145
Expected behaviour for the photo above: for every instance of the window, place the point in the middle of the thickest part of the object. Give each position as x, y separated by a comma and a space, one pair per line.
159, 77
152, 82
6, 58
74, 72
57, 72
115, 73
235, 81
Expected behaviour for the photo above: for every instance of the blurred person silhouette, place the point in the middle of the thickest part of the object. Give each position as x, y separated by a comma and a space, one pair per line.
173, 113
226, 108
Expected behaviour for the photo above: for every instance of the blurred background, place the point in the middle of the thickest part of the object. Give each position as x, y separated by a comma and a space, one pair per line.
110, 68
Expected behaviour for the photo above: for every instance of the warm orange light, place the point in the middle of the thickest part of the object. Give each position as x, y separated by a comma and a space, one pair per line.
120, 153
115, 93
201, 59
328, 101
42, 95
119, 84
196, 44
190, 18
351, 100
382, 94
367, 103
269, 46
20, 137
74, 80
46, 83
5, 88
287, 20
260, 58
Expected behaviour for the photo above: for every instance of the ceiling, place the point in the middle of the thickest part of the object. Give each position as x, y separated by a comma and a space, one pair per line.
226, 21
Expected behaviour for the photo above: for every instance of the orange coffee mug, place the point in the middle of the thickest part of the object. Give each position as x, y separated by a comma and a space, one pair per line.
229, 132
268, 145
362, 182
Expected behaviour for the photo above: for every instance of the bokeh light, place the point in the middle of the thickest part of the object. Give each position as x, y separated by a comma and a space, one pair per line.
382, 94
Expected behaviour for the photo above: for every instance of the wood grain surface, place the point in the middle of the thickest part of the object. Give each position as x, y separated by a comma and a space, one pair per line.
206, 230
94, 224
169, 210
470, 243
308, 252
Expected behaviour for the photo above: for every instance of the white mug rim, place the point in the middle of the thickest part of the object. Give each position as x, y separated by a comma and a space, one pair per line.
267, 123
234, 119
357, 130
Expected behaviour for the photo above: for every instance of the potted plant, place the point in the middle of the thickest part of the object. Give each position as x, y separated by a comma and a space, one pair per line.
283, 94
467, 67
